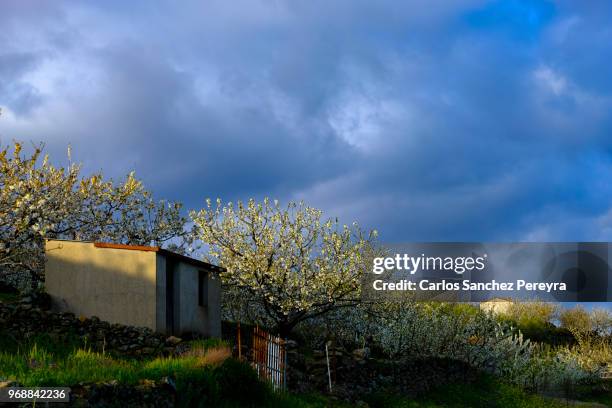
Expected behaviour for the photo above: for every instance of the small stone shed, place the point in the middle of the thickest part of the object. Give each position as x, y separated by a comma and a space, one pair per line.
134, 285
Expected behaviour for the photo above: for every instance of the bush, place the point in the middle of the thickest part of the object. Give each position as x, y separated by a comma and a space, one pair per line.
532, 312
231, 384
576, 320
410, 330
601, 322
234, 375
535, 319
548, 368
592, 352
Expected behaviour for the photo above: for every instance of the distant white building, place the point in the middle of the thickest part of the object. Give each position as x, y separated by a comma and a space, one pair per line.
497, 305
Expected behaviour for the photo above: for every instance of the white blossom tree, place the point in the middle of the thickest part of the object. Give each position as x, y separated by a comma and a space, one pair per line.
39, 200
287, 262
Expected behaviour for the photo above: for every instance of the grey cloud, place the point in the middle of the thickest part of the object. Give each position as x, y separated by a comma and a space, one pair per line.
14, 91
410, 119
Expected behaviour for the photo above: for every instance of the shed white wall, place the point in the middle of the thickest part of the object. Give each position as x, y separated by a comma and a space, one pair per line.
129, 287
191, 316
116, 285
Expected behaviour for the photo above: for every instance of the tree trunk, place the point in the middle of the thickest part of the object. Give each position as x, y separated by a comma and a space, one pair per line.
284, 328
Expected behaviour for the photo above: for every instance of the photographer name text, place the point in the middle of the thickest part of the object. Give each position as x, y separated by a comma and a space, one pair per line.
467, 285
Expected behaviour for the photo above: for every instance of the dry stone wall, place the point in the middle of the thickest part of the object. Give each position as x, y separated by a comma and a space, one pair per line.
31, 316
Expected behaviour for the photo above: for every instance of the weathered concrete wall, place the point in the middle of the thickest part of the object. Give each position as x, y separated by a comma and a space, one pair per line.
191, 316
115, 285
160, 309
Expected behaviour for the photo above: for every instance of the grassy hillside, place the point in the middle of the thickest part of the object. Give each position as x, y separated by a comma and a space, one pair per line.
207, 375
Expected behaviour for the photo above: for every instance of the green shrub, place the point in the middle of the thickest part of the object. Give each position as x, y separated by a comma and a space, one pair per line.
233, 383
235, 375
576, 320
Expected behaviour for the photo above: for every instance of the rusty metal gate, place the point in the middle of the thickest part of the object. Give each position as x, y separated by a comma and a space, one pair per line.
270, 358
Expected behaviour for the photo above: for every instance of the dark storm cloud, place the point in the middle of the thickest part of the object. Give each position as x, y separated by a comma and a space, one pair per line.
427, 120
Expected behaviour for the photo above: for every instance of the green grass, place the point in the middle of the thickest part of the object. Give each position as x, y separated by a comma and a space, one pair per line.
38, 367
8, 297
201, 378
205, 344
218, 385
198, 383
45, 361
601, 395
486, 393
59, 346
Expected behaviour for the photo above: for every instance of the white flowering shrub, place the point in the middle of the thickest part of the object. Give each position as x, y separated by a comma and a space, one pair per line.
419, 330
424, 331
592, 352
549, 368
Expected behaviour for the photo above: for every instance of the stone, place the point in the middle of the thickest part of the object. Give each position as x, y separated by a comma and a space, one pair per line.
152, 341
361, 353
169, 382
173, 340
24, 320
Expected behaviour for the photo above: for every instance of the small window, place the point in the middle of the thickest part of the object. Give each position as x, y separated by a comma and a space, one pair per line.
203, 288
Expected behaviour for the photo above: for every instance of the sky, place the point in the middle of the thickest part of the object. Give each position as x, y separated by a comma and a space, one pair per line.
426, 120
